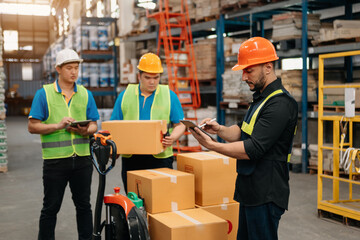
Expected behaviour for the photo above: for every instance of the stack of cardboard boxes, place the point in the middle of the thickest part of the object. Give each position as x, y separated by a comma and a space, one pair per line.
193, 202
3, 135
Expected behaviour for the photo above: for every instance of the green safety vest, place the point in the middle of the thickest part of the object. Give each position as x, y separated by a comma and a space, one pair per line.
61, 143
160, 109
249, 127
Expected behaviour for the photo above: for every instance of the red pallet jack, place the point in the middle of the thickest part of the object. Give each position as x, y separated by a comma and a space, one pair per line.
123, 219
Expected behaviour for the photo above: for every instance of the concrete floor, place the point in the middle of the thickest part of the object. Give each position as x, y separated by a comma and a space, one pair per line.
21, 197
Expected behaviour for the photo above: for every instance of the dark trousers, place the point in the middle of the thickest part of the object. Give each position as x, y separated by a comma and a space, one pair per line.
57, 173
259, 222
140, 162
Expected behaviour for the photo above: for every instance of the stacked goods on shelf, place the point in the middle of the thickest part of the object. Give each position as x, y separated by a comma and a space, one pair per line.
205, 58
206, 9
3, 135
234, 89
141, 23
214, 195
313, 149
89, 37
176, 7
200, 114
292, 81
287, 26
340, 29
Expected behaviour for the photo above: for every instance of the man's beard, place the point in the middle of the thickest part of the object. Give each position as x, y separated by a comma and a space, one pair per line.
259, 85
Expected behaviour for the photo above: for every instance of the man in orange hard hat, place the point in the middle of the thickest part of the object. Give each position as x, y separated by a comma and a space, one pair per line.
149, 100
262, 143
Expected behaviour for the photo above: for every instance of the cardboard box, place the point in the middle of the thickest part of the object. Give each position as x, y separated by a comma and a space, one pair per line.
163, 189
215, 176
137, 137
192, 224
228, 212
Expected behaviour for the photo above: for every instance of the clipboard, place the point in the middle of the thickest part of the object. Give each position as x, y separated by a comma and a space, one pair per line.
192, 125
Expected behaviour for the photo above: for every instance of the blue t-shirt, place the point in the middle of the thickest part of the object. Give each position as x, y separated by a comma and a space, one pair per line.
39, 108
176, 112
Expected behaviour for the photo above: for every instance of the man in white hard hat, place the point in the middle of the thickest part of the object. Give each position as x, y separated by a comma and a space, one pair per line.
65, 148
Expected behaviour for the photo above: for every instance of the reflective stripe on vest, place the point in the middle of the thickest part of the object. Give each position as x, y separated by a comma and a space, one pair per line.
61, 143
249, 127
160, 109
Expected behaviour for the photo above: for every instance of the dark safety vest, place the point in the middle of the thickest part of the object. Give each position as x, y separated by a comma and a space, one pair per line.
160, 109
61, 143
246, 167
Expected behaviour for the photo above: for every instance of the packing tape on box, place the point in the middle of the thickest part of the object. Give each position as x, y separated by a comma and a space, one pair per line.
225, 159
181, 214
225, 200
224, 207
173, 178
174, 206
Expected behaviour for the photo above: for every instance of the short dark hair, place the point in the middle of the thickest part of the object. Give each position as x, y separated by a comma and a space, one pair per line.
141, 72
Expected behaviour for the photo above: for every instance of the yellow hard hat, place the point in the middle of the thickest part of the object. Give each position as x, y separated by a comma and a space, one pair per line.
150, 63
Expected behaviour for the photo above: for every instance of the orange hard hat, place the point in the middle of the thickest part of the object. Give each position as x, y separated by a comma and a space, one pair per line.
254, 51
150, 63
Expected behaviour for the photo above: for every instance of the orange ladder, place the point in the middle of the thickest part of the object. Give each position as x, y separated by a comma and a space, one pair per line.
179, 53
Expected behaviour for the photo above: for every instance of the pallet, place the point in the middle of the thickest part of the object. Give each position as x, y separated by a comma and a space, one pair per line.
205, 83
339, 41
136, 32
338, 218
234, 105
313, 169
336, 109
207, 18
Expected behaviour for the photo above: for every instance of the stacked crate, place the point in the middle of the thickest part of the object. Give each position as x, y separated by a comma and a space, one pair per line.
292, 81
213, 194
206, 9
205, 58
287, 26
234, 89
3, 136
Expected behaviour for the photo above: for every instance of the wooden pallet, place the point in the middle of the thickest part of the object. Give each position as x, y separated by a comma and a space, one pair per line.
234, 105
338, 218
207, 18
339, 41
313, 169
339, 109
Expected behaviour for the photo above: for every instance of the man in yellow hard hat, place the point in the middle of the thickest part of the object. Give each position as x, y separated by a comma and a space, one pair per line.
65, 148
262, 143
149, 100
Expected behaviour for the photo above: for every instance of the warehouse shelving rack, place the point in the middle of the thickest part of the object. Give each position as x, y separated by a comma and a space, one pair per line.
349, 207
257, 16
102, 55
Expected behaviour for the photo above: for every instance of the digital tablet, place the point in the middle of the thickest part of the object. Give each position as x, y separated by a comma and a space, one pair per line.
81, 123
190, 124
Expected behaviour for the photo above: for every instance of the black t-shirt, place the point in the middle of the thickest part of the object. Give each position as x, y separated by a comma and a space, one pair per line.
269, 146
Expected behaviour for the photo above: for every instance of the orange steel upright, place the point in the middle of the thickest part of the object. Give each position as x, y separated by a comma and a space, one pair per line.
179, 53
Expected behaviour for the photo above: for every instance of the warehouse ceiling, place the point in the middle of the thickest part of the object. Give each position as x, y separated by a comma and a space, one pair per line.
33, 31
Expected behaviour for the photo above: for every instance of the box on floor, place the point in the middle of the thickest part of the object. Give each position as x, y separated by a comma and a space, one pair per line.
191, 224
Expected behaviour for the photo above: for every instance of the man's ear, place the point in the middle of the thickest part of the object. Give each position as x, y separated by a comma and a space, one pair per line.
268, 67
58, 69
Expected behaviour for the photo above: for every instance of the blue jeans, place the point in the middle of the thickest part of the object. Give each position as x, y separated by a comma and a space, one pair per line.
140, 162
259, 222
57, 173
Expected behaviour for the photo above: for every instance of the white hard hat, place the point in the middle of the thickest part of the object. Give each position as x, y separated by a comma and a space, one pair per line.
67, 56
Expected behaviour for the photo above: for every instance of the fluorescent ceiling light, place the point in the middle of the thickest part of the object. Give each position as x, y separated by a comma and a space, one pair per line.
25, 9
